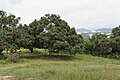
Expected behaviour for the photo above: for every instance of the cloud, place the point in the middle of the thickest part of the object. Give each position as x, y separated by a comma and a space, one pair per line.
3, 4
78, 13
14, 2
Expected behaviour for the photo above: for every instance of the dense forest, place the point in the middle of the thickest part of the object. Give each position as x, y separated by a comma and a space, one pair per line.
54, 34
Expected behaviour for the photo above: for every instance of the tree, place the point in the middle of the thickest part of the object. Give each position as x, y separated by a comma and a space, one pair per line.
34, 31
115, 44
24, 39
2, 42
53, 33
115, 40
59, 34
60, 46
78, 49
99, 45
8, 21
116, 31
8, 26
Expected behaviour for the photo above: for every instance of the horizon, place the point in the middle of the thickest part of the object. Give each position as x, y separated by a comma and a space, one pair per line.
89, 14
93, 29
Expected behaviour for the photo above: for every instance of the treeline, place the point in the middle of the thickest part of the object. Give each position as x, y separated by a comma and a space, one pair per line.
54, 34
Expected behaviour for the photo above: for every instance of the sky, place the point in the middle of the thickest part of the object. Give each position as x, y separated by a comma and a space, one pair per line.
89, 14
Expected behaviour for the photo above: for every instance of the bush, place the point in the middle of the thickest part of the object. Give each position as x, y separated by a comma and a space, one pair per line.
115, 44
77, 49
59, 46
98, 45
114, 56
88, 45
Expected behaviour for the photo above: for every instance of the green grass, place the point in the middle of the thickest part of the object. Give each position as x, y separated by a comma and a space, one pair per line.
80, 67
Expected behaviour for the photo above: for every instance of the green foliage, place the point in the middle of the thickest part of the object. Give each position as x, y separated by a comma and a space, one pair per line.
82, 67
26, 40
78, 49
2, 41
99, 44
61, 46
8, 32
88, 45
115, 44
115, 40
8, 21
53, 33
116, 32
50, 32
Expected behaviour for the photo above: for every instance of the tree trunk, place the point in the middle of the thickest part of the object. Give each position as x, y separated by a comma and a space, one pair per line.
31, 49
1, 52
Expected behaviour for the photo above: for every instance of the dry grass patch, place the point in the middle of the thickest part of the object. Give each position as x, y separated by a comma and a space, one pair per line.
6, 77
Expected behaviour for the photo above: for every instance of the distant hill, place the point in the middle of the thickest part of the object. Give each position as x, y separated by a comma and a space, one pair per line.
87, 33
82, 30
104, 30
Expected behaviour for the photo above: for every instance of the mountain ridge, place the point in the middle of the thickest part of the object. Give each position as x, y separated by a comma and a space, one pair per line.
86, 32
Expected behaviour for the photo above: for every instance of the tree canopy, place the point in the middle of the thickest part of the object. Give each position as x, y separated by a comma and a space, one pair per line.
54, 34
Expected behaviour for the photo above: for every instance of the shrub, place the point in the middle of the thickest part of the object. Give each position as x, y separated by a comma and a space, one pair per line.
98, 45
59, 46
115, 44
77, 49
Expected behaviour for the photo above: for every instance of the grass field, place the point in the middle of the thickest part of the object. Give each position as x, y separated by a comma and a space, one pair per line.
44, 67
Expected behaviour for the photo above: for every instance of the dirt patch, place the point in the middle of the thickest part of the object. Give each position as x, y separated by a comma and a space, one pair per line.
6, 77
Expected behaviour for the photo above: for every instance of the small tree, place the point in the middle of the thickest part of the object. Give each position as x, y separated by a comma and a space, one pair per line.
116, 31
8, 25
53, 33
77, 49
115, 40
115, 44
99, 44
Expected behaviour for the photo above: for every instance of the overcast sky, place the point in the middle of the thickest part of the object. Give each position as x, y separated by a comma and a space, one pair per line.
90, 14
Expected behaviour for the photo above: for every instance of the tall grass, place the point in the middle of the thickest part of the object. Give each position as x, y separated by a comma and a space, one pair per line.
81, 67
